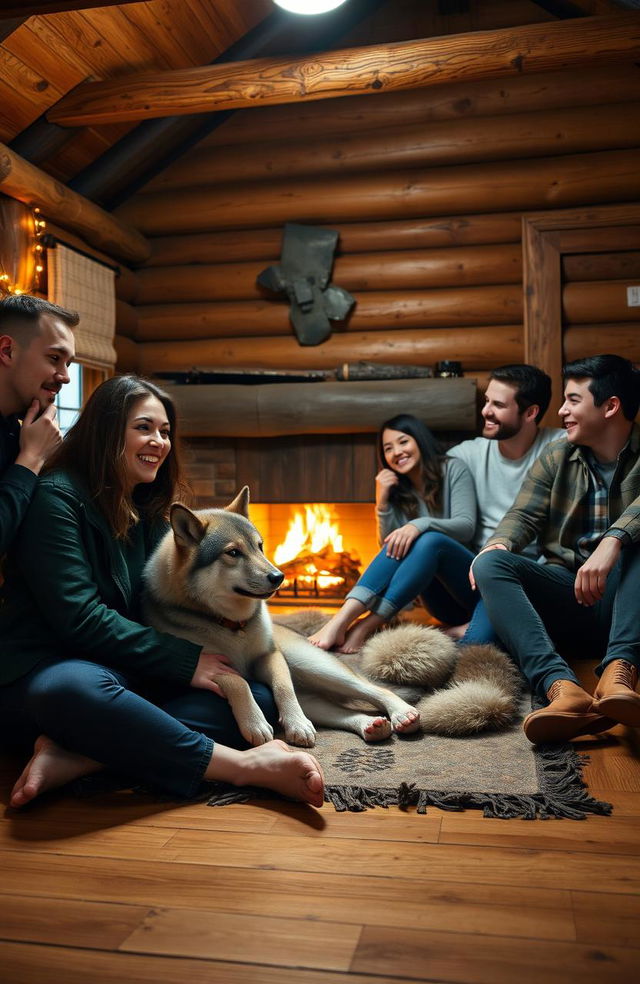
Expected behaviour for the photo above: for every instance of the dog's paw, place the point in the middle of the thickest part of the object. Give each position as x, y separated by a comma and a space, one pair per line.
376, 728
257, 732
406, 721
299, 731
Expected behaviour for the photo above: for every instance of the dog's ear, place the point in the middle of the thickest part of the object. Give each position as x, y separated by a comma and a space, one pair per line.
241, 503
188, 530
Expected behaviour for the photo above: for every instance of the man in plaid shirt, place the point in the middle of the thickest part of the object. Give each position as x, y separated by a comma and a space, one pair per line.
582, 498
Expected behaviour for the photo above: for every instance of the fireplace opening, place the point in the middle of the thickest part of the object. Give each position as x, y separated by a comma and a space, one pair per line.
322, 548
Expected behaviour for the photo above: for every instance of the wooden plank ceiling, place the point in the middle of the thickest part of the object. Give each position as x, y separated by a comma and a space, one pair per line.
51, 47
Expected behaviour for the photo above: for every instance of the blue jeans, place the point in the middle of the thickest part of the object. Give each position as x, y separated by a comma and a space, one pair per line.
533, 608
436, 568
156, 734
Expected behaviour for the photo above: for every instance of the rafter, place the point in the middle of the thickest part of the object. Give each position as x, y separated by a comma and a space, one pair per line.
13, 9
403, 65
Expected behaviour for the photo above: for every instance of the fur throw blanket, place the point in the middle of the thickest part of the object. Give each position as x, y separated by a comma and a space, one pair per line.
471, 688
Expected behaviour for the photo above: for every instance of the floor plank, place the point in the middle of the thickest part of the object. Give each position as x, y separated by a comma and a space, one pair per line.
607, 919
598, 834
507, 866
27, 964
468, 959
250, 939
99, 925
430, 905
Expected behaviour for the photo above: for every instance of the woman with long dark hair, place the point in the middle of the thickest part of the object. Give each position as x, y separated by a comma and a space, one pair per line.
80, 673
423, 501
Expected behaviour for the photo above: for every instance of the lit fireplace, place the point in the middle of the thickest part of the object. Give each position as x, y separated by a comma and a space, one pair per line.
322, 548
312, 556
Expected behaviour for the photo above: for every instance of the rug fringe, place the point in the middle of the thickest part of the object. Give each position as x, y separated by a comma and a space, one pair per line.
564, 794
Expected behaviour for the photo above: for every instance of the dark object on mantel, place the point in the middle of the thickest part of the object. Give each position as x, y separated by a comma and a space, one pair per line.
303, 274
380, 370
448, 369
244, 377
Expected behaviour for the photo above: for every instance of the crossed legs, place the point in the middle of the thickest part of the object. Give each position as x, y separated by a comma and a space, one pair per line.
87, 718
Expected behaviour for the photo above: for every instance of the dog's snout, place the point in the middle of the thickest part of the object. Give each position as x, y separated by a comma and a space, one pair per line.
276, 578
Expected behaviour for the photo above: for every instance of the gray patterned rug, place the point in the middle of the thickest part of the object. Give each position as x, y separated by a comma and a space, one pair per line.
499, 773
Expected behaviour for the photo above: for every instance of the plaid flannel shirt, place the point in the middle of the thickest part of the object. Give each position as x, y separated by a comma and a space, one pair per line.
556, 503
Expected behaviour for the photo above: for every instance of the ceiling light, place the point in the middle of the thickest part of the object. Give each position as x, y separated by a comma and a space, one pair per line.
309, 6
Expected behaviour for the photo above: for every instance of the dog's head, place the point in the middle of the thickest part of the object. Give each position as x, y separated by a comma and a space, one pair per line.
222, 556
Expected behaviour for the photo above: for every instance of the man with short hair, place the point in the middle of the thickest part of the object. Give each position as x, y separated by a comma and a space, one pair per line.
582, 499
516, 399
36, 348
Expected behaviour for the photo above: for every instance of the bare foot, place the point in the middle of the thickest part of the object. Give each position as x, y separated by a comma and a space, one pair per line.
404, 722
293, 773
330, 635
49, 767
455, 631
359, 633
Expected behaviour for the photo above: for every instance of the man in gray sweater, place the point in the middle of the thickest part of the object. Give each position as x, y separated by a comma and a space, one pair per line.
516, 399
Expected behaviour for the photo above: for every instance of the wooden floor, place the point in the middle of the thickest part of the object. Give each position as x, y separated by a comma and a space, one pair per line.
124, 889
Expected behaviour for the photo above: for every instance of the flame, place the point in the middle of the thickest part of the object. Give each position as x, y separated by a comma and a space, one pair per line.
311, 533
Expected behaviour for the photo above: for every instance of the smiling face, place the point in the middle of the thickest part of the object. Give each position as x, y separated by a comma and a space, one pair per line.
401, 452
37, 369
501, 414
147, 441
581, 418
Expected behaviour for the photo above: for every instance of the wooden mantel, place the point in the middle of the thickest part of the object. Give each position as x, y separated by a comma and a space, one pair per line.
374, 68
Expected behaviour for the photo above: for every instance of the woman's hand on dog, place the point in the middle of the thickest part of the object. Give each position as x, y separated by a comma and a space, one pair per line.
209, 667
399, 541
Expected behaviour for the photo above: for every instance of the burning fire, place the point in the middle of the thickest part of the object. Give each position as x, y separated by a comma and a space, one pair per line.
307, 537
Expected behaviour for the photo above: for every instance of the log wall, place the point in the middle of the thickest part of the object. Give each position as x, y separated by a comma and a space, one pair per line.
427, 189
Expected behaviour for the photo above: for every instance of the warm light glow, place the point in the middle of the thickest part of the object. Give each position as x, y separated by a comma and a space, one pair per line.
310, 534
308, 6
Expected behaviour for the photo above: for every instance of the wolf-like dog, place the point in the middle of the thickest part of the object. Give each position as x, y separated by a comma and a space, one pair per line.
208, 582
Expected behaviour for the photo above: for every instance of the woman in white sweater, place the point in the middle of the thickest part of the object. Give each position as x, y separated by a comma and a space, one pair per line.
424, 501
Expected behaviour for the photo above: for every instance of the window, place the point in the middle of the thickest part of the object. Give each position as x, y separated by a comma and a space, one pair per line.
69, 399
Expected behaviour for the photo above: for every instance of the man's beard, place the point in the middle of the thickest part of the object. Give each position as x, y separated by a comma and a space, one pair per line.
504, 432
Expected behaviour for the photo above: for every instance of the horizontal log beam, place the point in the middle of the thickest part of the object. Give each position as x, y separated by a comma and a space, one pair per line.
602, 266
375, 311
127, 354
265, 244
610, 176
30, 185
525, 135
126, 319
582, 341
404, 65
407, 269
480, 348
329, 408
524, 93
600, 301
55, 6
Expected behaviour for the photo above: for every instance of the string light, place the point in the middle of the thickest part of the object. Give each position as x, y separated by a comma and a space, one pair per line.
37, 233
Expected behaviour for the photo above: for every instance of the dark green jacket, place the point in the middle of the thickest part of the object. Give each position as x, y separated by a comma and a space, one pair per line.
68, 594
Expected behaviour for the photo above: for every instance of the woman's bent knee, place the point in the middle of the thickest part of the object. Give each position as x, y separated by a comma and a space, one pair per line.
69, 681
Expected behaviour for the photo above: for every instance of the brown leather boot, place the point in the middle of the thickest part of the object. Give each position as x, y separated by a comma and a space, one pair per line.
571, 712
616, 694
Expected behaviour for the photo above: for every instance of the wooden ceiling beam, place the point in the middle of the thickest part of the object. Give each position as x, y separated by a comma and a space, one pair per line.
9, 25
403, 65
28, 184
13, 9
